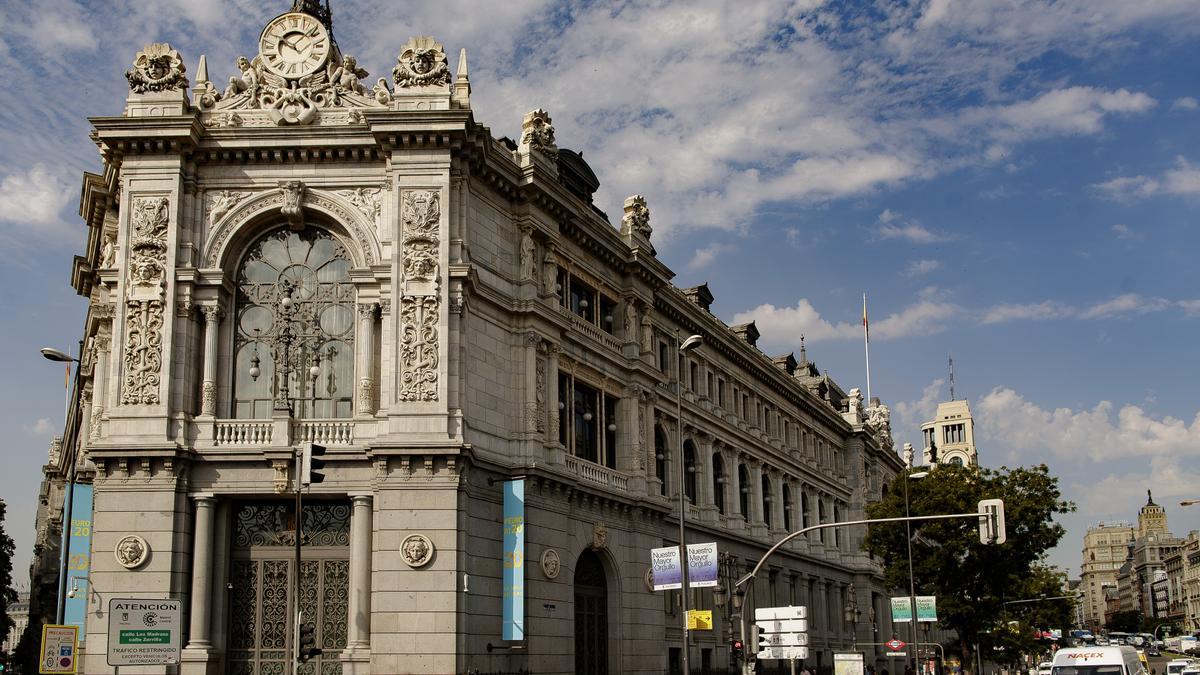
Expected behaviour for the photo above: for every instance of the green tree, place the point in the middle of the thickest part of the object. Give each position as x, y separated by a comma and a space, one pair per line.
8, 594
1126, 621
973, 581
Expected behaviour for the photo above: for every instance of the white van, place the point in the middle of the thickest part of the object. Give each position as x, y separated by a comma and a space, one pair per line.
1097, 661
1176, 666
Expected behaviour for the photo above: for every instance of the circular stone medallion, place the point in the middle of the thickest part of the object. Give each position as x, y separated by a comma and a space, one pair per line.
417, 550
551, 564
131, 551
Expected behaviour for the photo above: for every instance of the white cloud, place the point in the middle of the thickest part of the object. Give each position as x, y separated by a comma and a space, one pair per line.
893, 225
911, 415
33, 200
1102, 433
918, 268
705, 256
1185, 103
1074, 110
1123, 231
41, 427
1182, 180
1002, 313
784, 325
1190, 307
1125, 304
925, 317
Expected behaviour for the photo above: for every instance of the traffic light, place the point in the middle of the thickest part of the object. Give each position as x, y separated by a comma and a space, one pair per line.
737, 649
307, 647
991, 521
309, 464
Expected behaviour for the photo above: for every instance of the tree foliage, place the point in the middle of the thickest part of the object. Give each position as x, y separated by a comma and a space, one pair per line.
973, 581
8, 594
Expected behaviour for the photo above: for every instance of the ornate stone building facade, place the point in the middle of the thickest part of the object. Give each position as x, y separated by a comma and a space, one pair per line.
304, 255
1104, 549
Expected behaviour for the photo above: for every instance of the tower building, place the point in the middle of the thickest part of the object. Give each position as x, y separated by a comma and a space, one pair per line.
950, 437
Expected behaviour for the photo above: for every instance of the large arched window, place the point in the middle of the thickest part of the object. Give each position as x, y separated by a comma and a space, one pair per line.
689, 471
312, 268
660, 459
719, 482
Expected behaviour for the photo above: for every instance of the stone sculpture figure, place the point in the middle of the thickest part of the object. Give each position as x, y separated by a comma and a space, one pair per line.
637, 216
157, 67
528, 256
422, 63
537, 133
247, 82
550, 273
347, 75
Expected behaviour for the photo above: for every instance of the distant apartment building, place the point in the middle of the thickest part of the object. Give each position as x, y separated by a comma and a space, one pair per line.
1154, 544
19, 613
1104, 549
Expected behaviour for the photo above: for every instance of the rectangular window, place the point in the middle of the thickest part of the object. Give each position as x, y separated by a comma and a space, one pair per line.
589, 422
721, 392
708, 385
694, 375
608, 309
583, 301
664, 358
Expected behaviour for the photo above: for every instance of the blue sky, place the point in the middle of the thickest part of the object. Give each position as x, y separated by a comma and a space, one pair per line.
1012, 183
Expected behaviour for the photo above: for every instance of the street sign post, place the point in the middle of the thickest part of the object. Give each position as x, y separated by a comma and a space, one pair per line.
782, 632
144, 631
59, 649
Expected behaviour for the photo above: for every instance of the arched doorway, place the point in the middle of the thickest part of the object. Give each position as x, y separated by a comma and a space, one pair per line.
591, 616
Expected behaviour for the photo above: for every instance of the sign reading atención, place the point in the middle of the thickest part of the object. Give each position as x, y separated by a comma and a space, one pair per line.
143, 631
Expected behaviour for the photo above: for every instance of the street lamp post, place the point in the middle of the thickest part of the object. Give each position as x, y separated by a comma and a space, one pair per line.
912, 586
689, 344
69, 441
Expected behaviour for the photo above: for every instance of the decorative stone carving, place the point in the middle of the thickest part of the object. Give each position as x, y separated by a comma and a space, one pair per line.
382, 92
637, 218
416, 550
246, 82
647, 335
539, 423
550, 272
131, 551
879, 416
419, 350
422, 63
599, 536
157, 67
108, 250
366, 200
96, 421
631, 321
208, 398
528, 256
55, 450
346, 76
537, 133
293, 197
221, 203
144, 301
422, 215
908, 455
648, 579
551, 563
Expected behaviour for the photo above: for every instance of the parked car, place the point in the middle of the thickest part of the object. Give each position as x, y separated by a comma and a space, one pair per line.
1044, 668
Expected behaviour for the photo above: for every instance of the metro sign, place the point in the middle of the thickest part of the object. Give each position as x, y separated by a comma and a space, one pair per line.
895, 645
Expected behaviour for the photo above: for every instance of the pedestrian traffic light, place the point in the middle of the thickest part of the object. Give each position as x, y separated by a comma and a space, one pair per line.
737, 649
309, 464
991, 521
307, 647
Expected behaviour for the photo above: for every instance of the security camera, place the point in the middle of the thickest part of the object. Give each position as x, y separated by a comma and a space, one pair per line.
71, 593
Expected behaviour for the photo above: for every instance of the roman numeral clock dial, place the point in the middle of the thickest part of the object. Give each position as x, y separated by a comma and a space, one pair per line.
294, 45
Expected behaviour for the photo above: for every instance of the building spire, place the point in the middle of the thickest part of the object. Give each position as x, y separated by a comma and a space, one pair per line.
951, 378
315, 8
803, 352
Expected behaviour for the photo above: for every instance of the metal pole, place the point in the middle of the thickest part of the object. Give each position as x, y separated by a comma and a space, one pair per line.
683, 557
912, 587
296, 572
69, 443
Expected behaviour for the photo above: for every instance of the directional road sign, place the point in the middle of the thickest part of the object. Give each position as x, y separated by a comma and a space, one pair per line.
783, 626
782, 632
782, 639
768, 613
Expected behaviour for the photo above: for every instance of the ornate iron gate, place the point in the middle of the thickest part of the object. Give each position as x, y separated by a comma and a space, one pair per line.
262, 610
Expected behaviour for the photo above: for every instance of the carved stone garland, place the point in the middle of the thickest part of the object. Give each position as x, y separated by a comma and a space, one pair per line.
144, 301
419, 307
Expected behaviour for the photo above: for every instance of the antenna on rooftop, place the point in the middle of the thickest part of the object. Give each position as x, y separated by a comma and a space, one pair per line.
952, 378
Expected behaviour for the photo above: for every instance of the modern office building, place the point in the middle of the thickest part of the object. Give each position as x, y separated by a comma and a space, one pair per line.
311, 255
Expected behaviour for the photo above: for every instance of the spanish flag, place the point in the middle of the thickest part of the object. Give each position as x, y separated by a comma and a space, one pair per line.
866, 330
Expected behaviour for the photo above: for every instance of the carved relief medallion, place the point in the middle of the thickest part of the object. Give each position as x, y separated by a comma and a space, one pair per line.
131, 551
551, 564
416, 550
422, 63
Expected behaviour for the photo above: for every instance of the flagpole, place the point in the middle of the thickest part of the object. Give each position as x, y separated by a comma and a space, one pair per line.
867, 348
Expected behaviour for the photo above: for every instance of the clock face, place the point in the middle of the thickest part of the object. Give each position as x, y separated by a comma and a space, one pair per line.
294, 45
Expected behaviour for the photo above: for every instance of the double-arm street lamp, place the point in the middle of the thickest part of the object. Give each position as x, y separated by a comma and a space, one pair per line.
688, 345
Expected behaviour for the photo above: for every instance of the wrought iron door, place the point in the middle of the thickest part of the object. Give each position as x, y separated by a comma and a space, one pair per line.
591, 616
262, 611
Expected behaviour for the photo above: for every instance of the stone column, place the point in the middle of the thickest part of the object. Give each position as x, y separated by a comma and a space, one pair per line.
99, 384
534, 385
202, 574
733, 492
704, 474
359, 633
755, 517
208, 386
777, 504
366, 358
552, 393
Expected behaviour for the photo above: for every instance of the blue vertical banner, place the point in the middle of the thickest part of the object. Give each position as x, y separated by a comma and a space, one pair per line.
514, 560
79, 560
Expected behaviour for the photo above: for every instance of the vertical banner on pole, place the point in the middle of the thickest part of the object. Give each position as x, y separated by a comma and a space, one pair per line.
664, 563
80, 542
514, 560
902, 609
702, 565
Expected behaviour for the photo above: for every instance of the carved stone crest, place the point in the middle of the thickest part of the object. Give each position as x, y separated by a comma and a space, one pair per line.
144, 301
551, 564
222, 202
422, 63
648, 579
157, 67
416, 550
292, 209
537, 133
599, 536
366, 200
131, 551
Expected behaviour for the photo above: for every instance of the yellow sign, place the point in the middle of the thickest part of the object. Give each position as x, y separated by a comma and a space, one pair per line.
700, 619
58, 649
